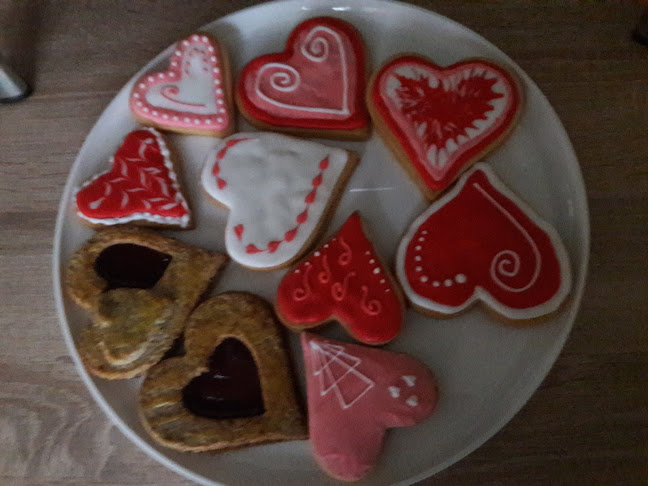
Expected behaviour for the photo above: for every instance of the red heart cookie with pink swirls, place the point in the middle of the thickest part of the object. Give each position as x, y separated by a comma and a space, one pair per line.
345, 280
440, 120
355, 393
293, 89
141, 187
479, 242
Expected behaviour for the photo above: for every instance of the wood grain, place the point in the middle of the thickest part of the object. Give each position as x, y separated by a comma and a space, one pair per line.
588, 422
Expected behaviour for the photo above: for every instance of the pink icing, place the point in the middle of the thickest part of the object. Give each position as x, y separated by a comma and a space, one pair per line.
354, 394
190, 95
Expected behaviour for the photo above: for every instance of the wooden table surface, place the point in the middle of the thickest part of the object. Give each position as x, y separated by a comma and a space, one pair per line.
586, 424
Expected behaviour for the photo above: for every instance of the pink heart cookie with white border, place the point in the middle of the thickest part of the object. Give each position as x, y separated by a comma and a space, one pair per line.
440, 120
140, 187
480, 242
355, 393
316, 86
193, 95
280, 190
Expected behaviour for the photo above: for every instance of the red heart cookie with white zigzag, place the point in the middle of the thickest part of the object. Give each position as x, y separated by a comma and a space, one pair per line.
315, 86
439, 120
279, 191
141, 187
192, 96
479, 242
355, 393
345, 280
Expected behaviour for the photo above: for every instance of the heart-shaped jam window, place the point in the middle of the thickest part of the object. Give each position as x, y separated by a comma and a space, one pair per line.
126, 265
230, 388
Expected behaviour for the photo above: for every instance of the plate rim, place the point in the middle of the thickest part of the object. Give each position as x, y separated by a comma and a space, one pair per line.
523, 394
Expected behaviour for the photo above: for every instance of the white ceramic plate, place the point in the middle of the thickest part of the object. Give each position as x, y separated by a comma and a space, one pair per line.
486, 370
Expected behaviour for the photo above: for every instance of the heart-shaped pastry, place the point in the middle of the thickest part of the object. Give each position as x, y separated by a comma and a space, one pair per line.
479, 242
193, 95
138, 287
316, 86
355, 393
440, 120
343, 280
232, 388
140, 187
279, 190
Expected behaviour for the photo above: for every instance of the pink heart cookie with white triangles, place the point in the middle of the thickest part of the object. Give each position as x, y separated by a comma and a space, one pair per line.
315, 87
440, 120
193, 95
280, 190
480, 242
141, 187
355, 393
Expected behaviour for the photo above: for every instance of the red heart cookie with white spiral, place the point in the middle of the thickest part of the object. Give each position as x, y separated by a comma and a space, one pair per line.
192, 96
315, 86
141, 187
344, 280
479, 242
439, 120
355, 393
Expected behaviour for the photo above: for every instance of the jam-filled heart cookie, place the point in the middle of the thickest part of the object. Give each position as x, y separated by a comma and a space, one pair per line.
141, 187
439, 120
280, 191
479, 242
193, 95
232, 388
314, 88
347, 281
355, 393
138, 287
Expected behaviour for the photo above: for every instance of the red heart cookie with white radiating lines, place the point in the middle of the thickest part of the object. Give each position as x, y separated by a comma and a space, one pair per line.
317, 83
345, 280
440, 120
141, 187
193, 95
479, 242
355, 393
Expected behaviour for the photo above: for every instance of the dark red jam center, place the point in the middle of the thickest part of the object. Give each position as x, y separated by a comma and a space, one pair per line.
230, 388
131, 266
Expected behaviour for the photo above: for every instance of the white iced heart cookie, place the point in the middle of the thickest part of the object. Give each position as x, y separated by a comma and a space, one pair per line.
192, 96
279, 190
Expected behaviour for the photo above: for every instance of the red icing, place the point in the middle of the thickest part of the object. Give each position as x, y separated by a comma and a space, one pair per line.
329, 92
354, 394
343, 280
421, 116
475, 235
139, 182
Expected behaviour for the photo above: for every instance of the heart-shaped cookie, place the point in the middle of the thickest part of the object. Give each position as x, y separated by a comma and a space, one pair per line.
140, 187
138, 287
232, 388
355, 393
316, 86
193, 95
344, 280
439, 120
480, 242
279, 190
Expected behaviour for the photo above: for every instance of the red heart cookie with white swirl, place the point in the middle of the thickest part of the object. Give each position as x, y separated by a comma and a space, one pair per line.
343, 280
315, 87
479, 242
193, 95
355, 393
141, 187
440, 120
279, 191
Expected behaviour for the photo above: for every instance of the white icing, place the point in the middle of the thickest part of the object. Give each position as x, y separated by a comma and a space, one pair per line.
394, 391
479, 292
409, 379
267, 180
